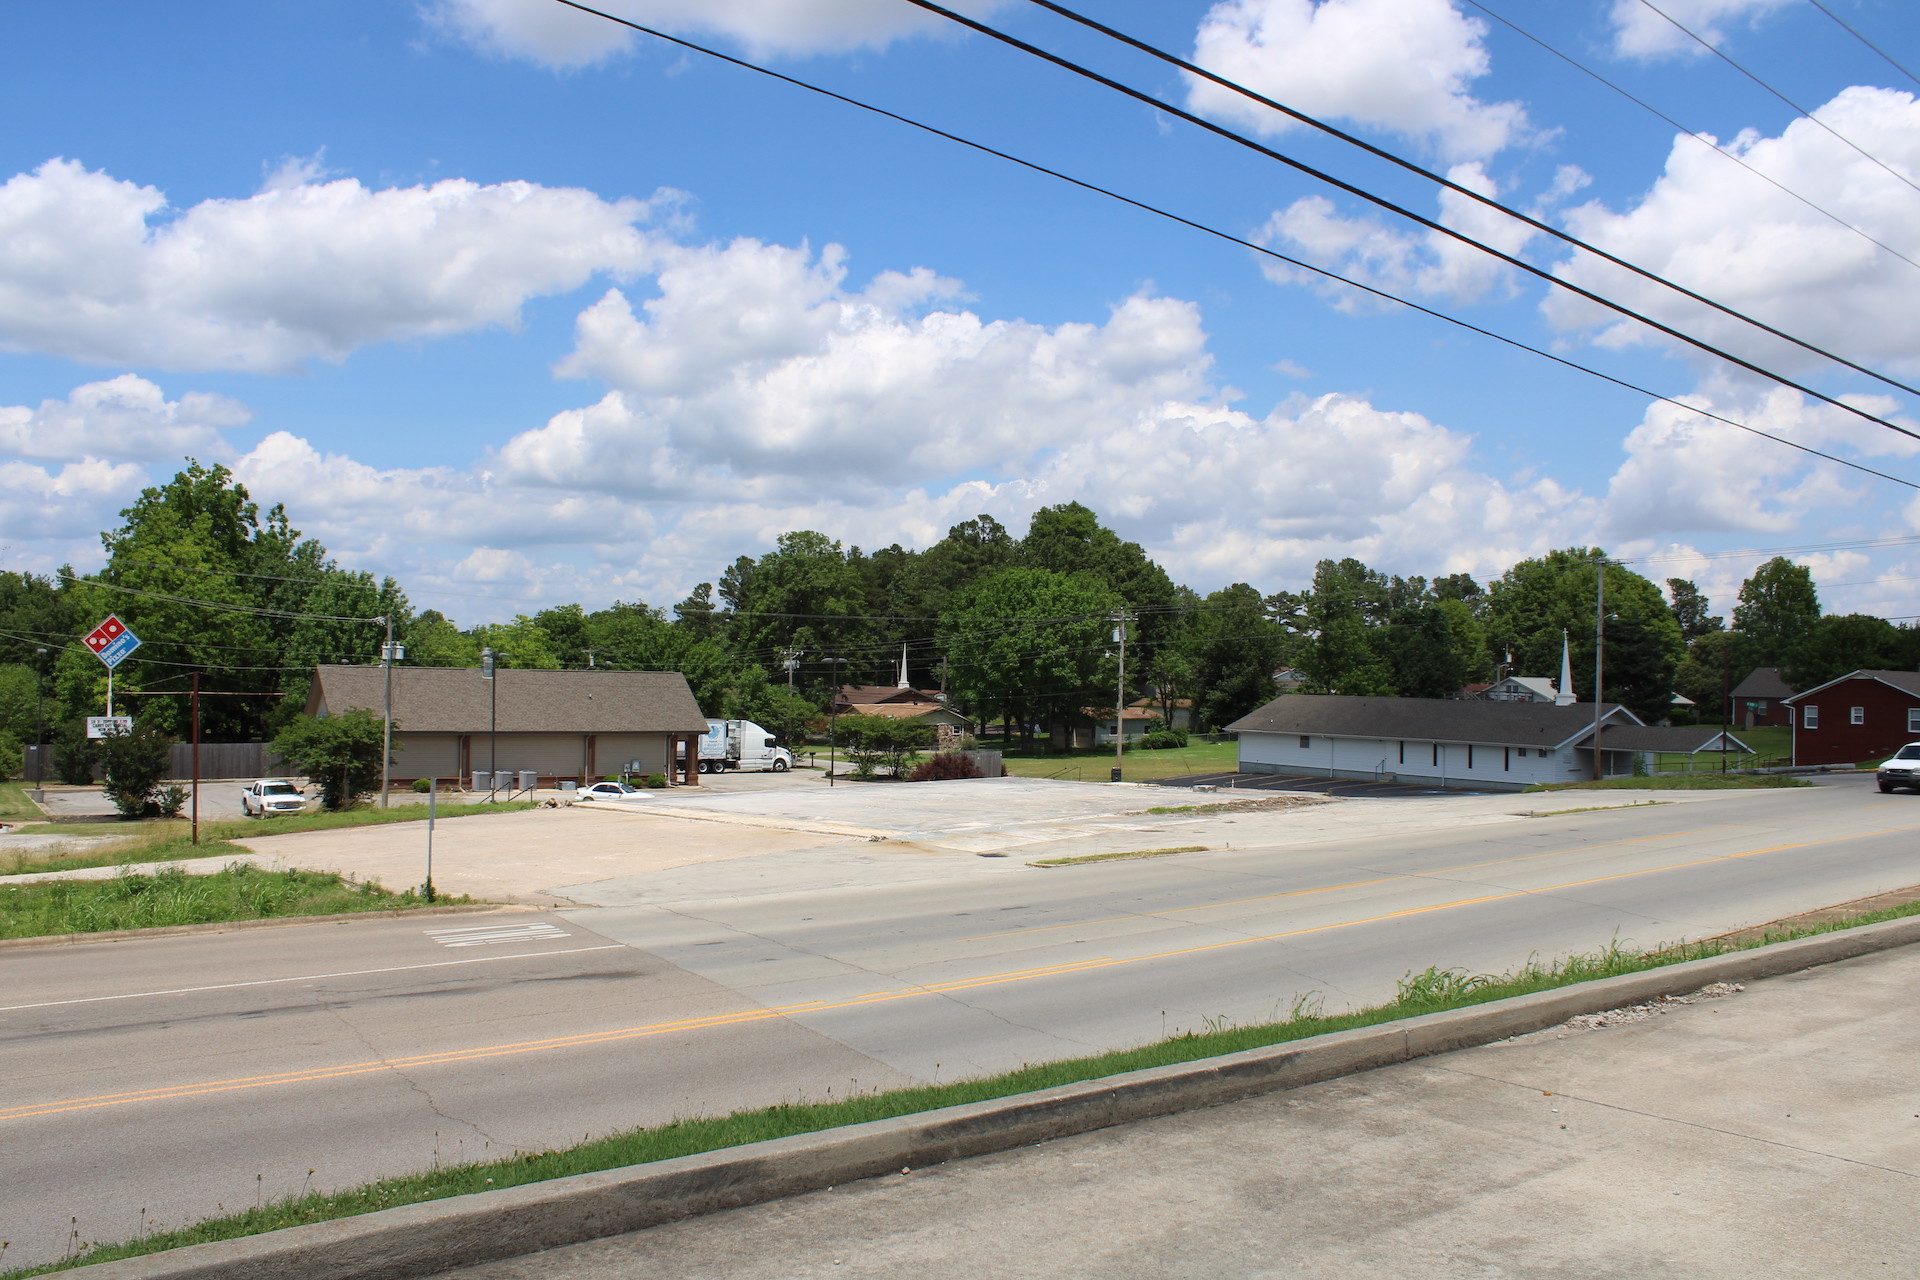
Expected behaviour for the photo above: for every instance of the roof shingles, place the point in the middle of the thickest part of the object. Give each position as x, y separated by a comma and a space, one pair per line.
456, 699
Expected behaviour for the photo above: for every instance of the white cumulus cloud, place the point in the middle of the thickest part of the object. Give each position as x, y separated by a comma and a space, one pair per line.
1724, 233
556, 36
1640, 32
1404, 66
98, 269
128, 418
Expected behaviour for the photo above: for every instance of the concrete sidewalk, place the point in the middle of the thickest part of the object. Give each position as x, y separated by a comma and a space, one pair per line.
1772, 1132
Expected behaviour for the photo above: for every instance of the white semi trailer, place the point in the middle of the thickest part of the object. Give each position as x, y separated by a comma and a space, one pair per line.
741, 744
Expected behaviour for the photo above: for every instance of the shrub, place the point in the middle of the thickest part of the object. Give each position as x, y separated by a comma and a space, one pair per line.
170, 799
655, 781
134, 763
422, 785
1161, 739
340, 752
75, 755
879, 742
945, 767
12, 756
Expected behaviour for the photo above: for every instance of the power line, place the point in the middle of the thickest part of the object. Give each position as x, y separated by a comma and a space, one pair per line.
1230, 238
1455, 187
1440, 228
219, 605
1863, 40
1692, 134
1717, 52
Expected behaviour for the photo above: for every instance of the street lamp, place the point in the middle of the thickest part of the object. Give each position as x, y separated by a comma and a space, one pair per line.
39, 716
833, 714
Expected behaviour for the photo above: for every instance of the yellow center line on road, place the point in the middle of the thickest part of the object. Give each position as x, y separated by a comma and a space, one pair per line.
165, 1093
1349, 884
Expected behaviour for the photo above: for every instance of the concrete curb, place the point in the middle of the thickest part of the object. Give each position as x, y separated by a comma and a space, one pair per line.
224, 926
427, 1239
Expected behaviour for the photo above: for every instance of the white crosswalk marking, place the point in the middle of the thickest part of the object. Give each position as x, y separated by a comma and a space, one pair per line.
488, 935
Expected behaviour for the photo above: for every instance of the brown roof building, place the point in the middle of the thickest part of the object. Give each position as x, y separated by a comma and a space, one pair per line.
451, 722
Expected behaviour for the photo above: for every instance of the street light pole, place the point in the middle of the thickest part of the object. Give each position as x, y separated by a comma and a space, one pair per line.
833, 715
1599, 639
1120, 697
40, 717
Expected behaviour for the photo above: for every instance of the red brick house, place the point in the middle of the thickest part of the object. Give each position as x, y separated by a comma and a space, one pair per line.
1761, 699
1861, 716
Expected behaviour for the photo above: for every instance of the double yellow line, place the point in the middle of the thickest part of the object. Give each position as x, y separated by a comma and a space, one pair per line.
591, 1038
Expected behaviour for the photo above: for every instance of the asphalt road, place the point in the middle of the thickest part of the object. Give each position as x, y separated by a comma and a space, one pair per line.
170, 1077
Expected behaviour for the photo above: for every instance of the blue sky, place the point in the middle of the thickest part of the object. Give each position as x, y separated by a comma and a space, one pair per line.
520, 310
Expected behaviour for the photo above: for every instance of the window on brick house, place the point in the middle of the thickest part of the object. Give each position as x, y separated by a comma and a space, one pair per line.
1809, 717
1856, 715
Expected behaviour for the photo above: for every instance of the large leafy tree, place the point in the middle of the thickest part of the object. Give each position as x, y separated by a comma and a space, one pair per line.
1778, 605
1690, 610
339, 752
1231, 650
1840, 643
1538, 602
1031, 644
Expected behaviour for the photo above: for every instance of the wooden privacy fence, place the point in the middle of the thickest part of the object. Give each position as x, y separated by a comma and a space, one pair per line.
226, 760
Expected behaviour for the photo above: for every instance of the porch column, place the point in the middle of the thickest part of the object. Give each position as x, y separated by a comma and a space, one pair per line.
691, 775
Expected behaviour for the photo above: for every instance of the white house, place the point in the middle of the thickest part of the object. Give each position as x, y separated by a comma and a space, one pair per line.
1445, 742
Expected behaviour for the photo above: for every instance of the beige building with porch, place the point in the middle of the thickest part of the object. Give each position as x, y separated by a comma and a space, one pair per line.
565, 726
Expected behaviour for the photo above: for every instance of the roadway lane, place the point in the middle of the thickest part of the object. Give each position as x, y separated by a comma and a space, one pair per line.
176, 1076
138, 1075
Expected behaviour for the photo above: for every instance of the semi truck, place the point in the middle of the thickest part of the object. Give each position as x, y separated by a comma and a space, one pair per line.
741, 744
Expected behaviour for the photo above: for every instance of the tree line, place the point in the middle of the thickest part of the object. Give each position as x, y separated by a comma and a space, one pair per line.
1020, 631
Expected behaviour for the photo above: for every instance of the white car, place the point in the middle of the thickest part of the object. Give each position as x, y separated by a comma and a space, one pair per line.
609, 791
271, 795
1901, 769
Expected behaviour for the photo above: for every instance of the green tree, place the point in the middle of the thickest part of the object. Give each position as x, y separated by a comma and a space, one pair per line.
1031, 644
874, 743
19, 701
1778, 605
1537, 602
340, 752
1840, 643
134, 764
522, 644
1232, 649
1713, 665
1420, 648
432, 640
1690, 610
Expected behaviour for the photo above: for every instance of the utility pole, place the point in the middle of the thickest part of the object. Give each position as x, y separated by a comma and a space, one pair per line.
196, 758
40, 717
790, 659
487, 656
833, 716
1599, 640
1120, 698
386, 714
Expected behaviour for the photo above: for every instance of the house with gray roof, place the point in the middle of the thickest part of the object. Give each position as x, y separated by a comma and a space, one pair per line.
1443, 742
565, 726
1761, 699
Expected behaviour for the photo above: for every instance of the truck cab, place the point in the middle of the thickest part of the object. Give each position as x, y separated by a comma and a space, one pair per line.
730, 745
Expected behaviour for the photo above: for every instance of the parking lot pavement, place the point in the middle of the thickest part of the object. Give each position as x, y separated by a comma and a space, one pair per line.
1772, 1131
1319, 786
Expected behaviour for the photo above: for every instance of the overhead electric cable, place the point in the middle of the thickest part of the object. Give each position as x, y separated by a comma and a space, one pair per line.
1160, 104
219, 605
1717, 52
1244, 243
1694, 134
1863, 40
1455, 187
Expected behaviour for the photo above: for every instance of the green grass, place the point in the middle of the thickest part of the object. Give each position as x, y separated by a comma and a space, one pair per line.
1092, 763
1428, 991
1678, 782
172, 897
171, 839
14, 805
1118, 857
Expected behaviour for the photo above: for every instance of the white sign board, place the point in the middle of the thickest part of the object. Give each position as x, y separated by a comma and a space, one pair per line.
101, 726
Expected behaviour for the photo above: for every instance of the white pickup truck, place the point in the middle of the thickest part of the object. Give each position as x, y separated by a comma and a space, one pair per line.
264, 796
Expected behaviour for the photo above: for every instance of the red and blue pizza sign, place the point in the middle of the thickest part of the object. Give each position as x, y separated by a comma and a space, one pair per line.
111, 642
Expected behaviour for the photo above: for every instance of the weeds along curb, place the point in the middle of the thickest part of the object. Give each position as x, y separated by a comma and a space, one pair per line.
429, 1238
223, 926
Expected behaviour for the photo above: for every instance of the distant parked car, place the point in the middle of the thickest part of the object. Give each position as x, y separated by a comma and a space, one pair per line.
1901, 769
609, 791
271, 795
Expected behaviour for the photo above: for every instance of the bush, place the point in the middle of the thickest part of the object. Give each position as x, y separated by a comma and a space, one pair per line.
12, 757
134, 763
945, 767
75, 755
655, 781
1161, 739
880, 742
422, 785
169, 800
340, 752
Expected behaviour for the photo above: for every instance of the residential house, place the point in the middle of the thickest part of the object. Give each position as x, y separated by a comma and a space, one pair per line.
1096, 726
1863, 715
1521, 689
1445, 742
451, 722
1761, 699
853, 699
1651, 741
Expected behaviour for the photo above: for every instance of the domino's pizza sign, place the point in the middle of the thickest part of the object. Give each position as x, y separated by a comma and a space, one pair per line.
111, 642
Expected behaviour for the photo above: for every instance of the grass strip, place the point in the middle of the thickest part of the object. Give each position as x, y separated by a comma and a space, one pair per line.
47, 908
1119, 857
1429, 991
171, 839
1679, 782
14, 805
